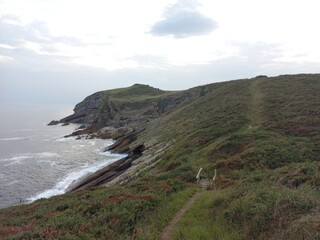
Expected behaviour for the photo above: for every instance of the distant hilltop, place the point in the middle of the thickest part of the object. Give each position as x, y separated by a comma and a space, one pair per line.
134, 106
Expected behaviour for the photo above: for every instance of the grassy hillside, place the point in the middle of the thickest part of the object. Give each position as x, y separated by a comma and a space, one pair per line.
137, 92
260, 134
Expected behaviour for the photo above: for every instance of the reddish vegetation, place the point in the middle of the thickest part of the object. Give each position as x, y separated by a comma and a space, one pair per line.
156, 186
50, 233
9, 230
165, 186
172, 166
292, 128
84, 227
202, 141
116, 199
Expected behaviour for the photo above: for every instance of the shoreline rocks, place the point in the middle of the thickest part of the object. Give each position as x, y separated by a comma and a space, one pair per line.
116, 168
53, 122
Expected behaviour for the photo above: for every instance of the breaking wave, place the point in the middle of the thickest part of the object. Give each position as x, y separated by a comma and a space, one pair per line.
62, 185
14, 138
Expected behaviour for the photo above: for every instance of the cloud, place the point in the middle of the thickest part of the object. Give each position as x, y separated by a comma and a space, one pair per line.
61, 84
182, 20
32, 46
16, 35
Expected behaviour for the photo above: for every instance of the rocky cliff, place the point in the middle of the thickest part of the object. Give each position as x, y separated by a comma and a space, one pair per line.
134, 106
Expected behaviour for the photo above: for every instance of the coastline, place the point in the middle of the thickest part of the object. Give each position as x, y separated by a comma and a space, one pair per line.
100, 173
122, 137
63, 186
71, 178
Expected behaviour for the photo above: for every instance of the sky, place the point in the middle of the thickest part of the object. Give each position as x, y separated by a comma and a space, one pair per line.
60, 51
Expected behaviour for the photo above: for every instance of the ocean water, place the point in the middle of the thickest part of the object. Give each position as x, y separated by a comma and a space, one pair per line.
36, 161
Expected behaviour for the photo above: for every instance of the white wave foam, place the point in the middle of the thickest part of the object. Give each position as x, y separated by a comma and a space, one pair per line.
14, 139
65, 139
52, 163
15, 160
100, 151
61, 187
18, 159
46, 155
78, 147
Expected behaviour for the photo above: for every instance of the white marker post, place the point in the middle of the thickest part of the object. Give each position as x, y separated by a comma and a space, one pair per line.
214, 178
198, 175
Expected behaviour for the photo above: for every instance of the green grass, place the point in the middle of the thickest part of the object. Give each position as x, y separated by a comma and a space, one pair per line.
100, 213
137, 93
205, 220
262, 137
152, 225
256, 210
264, 210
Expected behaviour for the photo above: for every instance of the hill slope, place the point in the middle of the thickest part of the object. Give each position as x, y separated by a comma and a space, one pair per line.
260, 134
134, 106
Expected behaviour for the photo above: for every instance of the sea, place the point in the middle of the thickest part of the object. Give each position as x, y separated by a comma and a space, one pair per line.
36, 160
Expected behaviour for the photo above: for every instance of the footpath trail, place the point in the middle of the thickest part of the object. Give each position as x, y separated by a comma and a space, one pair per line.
256, 104
168, 230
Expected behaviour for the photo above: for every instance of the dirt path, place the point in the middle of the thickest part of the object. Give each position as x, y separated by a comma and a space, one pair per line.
167, 232
256, 103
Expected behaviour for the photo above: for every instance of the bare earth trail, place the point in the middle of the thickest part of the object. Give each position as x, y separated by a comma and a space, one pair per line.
256, 104
168, 230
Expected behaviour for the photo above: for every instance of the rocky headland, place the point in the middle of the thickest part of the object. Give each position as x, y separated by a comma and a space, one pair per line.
123, 115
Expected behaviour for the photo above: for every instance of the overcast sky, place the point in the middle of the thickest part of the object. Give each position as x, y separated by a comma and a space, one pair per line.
60, 51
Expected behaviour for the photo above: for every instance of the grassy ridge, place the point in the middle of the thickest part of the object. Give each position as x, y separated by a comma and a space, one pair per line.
262, 136
136, 93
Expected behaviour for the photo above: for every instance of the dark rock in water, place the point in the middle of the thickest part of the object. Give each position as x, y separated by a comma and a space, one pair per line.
103, 175
90, 136
82, 127
53, 122
65, 124
122, 145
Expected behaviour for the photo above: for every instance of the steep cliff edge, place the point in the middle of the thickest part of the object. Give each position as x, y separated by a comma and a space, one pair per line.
133, 106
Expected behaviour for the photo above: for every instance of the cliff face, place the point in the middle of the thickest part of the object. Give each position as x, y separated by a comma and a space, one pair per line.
134, 106
86, 111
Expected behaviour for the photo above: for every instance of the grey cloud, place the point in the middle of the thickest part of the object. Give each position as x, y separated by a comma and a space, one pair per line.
182, 20
16, 34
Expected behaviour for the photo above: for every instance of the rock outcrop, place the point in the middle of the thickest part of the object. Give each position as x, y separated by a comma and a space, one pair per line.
134, 106
53, 122
115, 169
86, 111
